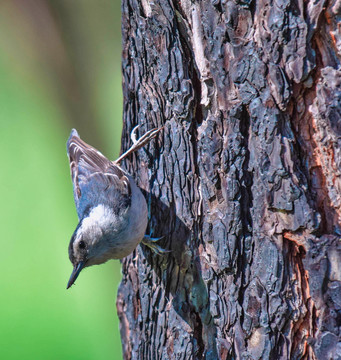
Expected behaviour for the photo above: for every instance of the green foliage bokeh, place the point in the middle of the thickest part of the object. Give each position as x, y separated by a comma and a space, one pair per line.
59, 68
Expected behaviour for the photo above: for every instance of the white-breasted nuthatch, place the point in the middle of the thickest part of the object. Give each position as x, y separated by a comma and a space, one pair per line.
112, 210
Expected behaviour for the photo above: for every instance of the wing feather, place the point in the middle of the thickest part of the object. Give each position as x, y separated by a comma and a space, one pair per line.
96, 180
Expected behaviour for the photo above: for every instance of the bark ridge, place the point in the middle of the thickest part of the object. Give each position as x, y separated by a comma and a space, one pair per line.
244, 181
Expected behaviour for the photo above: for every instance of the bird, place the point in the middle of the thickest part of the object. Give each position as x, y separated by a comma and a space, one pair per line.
112, 211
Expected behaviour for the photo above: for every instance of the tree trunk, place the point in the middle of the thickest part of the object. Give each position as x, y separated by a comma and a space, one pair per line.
243, 182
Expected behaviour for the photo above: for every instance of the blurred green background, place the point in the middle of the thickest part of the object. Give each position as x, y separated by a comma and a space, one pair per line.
59, 69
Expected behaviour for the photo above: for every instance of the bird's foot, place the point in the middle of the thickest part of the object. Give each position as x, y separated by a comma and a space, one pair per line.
151, 243
138, 143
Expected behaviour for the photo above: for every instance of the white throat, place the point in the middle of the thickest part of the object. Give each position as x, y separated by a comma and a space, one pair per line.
100, 217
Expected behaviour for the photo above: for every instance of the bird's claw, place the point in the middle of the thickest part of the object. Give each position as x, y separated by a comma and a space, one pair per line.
138, 143
133, 135
151, 243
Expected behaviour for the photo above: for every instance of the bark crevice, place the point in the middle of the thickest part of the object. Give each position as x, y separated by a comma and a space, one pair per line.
244, 181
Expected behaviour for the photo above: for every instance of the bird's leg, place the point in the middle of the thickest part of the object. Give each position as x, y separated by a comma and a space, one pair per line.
138, 143
151, 243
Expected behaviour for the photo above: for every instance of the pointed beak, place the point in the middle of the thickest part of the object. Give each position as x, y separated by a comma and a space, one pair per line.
76, 270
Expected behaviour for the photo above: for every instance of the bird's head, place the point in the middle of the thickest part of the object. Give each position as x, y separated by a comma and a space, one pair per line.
89, 245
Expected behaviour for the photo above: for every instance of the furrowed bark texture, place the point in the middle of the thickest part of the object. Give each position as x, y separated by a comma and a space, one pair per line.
243, 182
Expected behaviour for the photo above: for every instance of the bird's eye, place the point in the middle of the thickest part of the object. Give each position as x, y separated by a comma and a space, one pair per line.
81, 244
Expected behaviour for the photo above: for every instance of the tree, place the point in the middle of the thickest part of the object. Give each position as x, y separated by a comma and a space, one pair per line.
243, 182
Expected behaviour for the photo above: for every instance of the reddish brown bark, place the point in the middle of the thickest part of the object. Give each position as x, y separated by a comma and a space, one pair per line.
244, 182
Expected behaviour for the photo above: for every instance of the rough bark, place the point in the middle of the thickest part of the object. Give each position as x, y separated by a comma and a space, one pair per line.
244, 182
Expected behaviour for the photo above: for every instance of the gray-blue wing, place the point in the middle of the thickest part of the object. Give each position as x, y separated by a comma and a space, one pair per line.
96, 180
